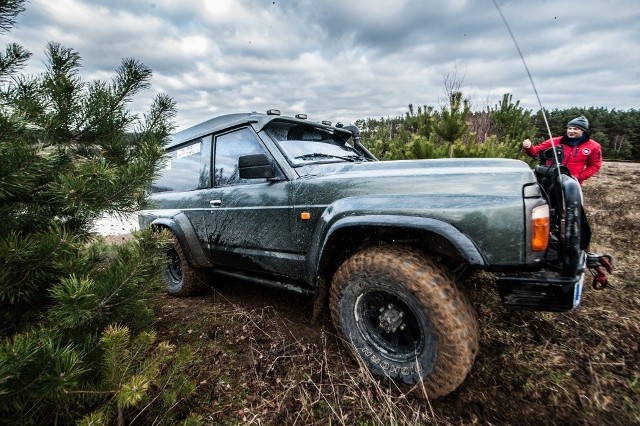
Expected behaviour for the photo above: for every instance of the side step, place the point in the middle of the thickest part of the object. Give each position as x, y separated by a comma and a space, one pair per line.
282, 285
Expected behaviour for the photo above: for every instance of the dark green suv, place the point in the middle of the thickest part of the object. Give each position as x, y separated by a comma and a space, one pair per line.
304, 206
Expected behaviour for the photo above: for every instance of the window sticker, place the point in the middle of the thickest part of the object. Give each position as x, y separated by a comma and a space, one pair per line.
188, 150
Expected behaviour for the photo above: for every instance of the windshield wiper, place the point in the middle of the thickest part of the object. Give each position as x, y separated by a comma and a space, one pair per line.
351, 158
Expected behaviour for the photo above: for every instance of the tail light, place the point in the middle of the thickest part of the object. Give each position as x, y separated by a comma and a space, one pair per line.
540, 228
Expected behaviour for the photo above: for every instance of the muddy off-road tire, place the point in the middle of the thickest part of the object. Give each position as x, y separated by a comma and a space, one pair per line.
180, 278
572, 213
402, 314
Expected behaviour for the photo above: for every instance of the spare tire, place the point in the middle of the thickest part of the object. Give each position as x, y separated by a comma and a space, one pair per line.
571, 251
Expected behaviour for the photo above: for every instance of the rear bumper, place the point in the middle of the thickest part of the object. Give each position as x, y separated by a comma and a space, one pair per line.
540, 291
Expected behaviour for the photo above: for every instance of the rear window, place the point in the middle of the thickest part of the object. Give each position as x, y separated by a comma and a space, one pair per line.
186, 168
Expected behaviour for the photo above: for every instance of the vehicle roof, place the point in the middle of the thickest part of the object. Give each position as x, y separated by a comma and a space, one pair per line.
255, 119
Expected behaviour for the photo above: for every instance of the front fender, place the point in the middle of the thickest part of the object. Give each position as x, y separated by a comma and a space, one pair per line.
461, 242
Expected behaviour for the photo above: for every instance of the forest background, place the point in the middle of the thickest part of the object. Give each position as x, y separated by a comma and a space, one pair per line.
455, 130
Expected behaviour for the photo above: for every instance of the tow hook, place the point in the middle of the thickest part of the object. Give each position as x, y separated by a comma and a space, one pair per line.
600, 265
390, 319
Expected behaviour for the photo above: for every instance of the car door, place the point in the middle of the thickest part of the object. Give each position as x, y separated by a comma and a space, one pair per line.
249, 224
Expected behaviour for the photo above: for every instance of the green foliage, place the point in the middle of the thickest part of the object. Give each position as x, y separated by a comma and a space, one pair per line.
51, 355
452, 132
76, 151
422, 147
137, 372
509, 121
110, 284
9, 10
492, 147
452, 122
420, 123
70, 304
455, 131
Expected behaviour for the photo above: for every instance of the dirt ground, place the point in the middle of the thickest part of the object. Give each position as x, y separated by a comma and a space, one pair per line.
257, 358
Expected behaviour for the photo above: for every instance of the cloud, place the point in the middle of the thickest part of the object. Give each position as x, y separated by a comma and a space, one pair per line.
343, 60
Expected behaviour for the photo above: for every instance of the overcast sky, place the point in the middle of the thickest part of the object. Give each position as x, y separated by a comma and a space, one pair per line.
341, 60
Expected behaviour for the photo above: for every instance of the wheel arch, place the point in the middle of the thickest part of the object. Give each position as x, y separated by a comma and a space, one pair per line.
181, 227
350, 234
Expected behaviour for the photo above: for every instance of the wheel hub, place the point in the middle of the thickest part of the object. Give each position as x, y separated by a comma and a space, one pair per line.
388, 323
390, 319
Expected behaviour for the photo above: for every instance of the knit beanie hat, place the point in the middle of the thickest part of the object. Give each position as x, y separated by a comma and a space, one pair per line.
580, 122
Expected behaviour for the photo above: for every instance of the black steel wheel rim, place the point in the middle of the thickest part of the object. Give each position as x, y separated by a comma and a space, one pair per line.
175, 266
403, 338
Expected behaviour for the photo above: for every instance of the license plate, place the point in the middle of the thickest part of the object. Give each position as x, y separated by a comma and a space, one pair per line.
577, 292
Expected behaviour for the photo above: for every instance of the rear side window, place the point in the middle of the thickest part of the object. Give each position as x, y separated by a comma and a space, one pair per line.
187, 167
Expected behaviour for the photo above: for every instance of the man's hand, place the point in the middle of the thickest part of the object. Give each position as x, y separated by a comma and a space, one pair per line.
526, 144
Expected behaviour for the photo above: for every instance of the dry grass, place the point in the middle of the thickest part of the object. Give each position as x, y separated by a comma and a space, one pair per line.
258, 360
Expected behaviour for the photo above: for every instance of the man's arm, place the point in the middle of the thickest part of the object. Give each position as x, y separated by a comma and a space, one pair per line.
532, 150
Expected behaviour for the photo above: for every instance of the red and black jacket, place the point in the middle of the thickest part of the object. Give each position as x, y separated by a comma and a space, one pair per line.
583, 160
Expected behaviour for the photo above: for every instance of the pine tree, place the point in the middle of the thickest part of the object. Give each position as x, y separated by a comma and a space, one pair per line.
452, 121
510, 121
70, 151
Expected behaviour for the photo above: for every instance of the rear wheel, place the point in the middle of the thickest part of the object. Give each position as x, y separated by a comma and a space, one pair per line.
180, 278
402, 314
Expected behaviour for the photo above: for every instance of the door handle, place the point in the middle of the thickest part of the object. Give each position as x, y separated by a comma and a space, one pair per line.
215, 203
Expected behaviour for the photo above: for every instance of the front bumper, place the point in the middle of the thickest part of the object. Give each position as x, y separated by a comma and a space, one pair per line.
540, 291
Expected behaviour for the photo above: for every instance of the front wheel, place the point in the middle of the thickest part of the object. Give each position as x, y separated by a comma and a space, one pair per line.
404, 317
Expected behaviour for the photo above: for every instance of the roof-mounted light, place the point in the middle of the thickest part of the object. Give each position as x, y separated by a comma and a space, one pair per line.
326, 122
339, 125
301, 116
273, 112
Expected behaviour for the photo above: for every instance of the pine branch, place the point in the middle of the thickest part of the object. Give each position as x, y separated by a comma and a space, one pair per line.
132, 77
9, 11
13, 59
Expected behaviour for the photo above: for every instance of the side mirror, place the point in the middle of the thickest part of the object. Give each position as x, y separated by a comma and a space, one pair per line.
255, 166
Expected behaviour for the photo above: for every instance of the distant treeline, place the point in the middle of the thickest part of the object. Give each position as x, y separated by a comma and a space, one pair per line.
498, 131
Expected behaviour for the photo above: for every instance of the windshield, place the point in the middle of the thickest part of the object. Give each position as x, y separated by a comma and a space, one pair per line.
304, 144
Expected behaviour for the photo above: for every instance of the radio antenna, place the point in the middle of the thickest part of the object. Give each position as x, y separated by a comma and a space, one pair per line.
544, 115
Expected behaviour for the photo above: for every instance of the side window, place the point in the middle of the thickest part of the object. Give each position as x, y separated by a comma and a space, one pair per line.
186, 168
229, 148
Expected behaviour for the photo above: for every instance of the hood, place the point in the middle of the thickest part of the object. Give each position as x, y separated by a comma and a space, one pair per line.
461, 175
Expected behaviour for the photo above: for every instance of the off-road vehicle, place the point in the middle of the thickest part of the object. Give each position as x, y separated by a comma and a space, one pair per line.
304, 206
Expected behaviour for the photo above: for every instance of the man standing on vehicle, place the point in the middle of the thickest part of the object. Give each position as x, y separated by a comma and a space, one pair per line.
582, 155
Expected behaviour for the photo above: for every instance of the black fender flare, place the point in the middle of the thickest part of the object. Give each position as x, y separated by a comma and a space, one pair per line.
461, 242
180, 225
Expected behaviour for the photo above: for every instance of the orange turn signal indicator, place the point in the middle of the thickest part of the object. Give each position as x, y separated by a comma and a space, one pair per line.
540, 228
305, 215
